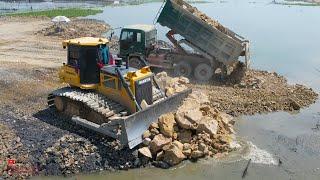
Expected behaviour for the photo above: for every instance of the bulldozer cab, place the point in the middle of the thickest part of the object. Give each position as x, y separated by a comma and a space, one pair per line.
136, 39
84, 54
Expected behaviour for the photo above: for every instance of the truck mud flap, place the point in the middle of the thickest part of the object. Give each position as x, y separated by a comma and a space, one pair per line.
136, 124
128, 130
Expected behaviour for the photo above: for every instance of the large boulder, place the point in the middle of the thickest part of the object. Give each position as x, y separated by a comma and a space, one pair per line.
173, 155
166, 123
162, 79
169, 91
208, 125
196, 154
158, 142
183, 122
225, 118
146, 134
186, 149
200, 96
154, 125
145, 152
188, 104
227, 121
178, 144
194, 115
183, 80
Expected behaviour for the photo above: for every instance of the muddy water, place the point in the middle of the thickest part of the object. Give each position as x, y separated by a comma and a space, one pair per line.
284, 39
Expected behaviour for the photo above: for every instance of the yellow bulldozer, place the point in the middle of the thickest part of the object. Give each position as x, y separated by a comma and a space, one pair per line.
113, 99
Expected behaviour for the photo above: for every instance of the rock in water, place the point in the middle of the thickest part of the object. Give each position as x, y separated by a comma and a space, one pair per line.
196, 154
173, 155
166, 123
158, 142
208, 125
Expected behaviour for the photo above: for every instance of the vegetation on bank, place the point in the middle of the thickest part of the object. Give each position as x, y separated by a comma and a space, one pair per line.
69, 12
138, 2
297, 3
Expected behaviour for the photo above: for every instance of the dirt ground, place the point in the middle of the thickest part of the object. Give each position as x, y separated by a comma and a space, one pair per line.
29, 63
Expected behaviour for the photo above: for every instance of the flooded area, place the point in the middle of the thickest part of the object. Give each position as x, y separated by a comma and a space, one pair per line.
281, 145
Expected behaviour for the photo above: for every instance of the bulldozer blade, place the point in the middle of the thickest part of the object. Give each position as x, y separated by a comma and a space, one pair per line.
128, 130
136, 124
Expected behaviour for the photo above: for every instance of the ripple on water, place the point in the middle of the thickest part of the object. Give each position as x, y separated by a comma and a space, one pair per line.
259, 156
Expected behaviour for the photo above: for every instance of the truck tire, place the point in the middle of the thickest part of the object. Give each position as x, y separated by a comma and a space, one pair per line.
238, 73
135, 63
182, 69
203, 72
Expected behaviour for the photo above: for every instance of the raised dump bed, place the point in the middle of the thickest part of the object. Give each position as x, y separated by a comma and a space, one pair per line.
203, 33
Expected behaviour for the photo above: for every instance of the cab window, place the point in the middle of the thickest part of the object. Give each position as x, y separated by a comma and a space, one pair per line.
127, 36
138, 37
73, 55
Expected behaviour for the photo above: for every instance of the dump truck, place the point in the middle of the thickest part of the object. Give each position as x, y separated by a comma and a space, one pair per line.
113, 99
206, 46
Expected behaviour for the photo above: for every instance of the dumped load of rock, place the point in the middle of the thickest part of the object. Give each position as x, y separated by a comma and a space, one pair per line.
76, 28
204, 17
194, 131
260, 92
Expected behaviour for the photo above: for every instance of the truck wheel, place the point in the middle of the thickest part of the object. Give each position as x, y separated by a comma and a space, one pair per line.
182, 69
238, 73
203, 72
135, 63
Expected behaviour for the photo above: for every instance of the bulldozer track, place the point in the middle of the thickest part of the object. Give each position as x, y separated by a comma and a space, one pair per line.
92, 101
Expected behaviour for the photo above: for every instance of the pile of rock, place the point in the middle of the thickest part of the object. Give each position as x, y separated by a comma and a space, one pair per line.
70, 155
196, 130
171, 85
76, 28
260, 92
203, 16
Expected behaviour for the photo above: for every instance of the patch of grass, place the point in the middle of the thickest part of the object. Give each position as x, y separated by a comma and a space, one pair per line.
138, 2
69, 12
297, 4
